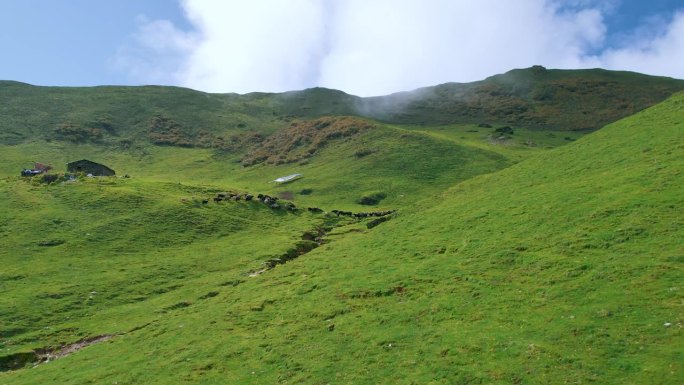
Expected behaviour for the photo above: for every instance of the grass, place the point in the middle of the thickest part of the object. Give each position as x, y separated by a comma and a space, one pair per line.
119, 116
532, 98
404, 165
134, 252
505, 263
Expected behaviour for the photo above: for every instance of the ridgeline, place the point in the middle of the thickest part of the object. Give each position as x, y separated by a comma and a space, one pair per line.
534, 98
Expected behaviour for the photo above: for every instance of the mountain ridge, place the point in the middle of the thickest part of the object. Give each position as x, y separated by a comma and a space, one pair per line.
534, 98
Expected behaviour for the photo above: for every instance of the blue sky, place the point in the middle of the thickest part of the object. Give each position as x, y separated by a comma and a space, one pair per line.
366, 47
72, 42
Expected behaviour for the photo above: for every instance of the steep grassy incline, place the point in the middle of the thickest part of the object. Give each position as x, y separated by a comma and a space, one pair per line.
565, 268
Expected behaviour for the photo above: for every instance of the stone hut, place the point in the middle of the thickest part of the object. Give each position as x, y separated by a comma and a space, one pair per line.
89, 167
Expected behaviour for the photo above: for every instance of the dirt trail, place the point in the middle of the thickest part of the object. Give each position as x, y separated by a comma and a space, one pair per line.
38, 356
310, 240
48, 354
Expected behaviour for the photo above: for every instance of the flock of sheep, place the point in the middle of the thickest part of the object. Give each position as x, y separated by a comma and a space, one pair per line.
276, 204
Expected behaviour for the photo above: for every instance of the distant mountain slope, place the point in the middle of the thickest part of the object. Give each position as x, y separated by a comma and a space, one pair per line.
118, 115
532, 98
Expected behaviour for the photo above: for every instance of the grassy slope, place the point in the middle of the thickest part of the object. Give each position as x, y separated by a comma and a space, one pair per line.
562, 268
35, 112
531, 98
403, 164
126, 244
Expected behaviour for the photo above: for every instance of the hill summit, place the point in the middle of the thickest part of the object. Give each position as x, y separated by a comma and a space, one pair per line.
535, 98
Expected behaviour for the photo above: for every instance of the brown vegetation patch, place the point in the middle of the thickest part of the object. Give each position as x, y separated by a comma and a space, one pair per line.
168, 132
165, 131
531, 98
75, 133
303, 139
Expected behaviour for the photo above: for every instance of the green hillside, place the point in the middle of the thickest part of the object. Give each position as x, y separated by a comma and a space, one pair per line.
123, 116
562, 268
404, 165
534, 97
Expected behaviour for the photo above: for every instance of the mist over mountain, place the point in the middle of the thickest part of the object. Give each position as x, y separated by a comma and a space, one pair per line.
534, 98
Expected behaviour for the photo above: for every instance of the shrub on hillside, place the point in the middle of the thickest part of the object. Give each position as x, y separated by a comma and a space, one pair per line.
165, 131
303, 139
72, 132
104, 122
363, 152
372, 198
505, 130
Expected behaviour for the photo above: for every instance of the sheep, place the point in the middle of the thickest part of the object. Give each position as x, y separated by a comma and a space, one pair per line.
291, 206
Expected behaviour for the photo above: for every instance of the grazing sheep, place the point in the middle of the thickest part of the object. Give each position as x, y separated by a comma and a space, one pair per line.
291, 206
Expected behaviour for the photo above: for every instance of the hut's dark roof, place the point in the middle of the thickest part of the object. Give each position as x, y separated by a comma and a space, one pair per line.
90, 166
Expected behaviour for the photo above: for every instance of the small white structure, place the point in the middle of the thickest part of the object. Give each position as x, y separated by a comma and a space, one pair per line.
289, 178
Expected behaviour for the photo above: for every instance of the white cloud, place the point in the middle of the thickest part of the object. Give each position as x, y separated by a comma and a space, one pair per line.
372, 47
385, 46
156, 52
659, 55
255, 45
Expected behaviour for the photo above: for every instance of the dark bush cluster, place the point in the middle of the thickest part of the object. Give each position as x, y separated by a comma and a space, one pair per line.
302, 139
165, 131
372, 199
72, 132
